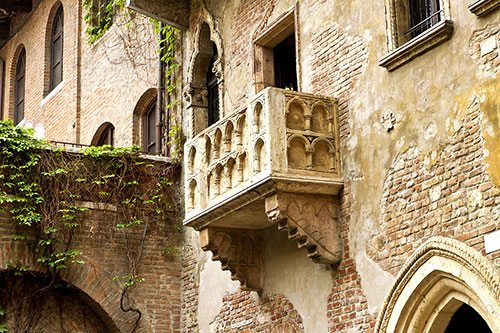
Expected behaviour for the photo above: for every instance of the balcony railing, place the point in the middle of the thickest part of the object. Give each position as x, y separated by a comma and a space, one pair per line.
281, 136
275, 160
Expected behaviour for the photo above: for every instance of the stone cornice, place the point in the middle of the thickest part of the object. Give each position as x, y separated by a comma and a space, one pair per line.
483, 7
418, 45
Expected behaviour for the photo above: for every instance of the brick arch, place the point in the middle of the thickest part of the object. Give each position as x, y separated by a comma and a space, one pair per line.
12, 78
96, 285
47, 53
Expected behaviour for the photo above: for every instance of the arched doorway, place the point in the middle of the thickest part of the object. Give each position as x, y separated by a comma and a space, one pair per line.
443, 283
34, 302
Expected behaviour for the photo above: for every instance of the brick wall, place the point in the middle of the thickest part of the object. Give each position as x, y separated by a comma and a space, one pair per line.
115, 72
58, 111
106, 251
453, 197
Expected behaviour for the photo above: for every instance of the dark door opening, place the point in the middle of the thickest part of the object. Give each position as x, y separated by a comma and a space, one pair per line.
466, 319
285, 65
213, 91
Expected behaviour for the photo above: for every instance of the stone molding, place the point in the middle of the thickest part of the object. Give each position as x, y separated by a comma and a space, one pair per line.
483, 7
436, 35
443, 247
239, 251
312, 221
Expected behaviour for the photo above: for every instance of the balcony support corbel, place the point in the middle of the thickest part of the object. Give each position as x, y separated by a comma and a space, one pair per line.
239, 251
311, 220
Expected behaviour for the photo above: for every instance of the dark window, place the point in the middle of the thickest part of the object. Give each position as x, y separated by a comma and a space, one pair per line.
149, 128
107, 136
285, 68
423, 15
213, 91
19, 88
56, 49
466, 319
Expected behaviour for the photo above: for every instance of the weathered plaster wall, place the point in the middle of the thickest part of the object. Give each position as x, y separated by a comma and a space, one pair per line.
416, 113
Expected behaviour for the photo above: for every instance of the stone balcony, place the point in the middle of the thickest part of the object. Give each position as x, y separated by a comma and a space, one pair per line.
275, 160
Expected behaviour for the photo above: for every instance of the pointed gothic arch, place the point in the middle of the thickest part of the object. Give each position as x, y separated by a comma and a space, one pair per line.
204, 92
441, 276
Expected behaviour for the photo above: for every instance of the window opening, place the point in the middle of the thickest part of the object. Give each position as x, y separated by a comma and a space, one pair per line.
56, 49
213, 90
19, 88
423, 15
149, 128
466, 319
107, 136
285, 67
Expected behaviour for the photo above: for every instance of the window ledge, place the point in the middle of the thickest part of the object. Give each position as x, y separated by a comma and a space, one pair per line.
418, 45
483, 7
52, 93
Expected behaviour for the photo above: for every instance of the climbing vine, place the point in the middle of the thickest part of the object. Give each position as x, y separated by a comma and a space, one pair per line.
99, 17
48, 191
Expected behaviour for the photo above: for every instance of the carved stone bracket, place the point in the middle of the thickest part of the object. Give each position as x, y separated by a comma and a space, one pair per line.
239, 251
311, 220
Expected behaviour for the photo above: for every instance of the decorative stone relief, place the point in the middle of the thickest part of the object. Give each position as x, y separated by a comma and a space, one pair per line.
439, 268
239, 251
388, 120
311, 220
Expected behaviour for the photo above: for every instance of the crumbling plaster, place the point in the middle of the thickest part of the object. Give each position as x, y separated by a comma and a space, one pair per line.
288, 271
425, 96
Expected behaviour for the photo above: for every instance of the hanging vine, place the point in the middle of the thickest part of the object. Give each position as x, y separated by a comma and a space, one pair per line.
45, 191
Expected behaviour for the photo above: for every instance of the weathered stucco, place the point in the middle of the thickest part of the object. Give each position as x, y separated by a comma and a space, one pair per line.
308, 287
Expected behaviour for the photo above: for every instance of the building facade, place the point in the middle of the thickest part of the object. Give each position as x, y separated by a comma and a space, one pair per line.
340, 165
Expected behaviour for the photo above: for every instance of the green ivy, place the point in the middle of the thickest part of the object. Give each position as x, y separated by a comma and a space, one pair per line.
43, 188
99, 17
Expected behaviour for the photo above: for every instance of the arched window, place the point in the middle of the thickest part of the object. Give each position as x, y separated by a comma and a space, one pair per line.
56, 49
149, 128
20, 83
104, 135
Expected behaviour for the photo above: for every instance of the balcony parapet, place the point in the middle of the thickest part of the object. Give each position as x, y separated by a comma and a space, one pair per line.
275, 160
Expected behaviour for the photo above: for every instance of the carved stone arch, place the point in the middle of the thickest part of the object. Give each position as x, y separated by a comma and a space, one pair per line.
257, 114
323, 140
208, 148
192, 159
439, 277
47, 52
206, 32
240, 130
217, 143
192, 194
259, 156
321, 124
214, 36
299, 152
323, 158
228, 136
298, 114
